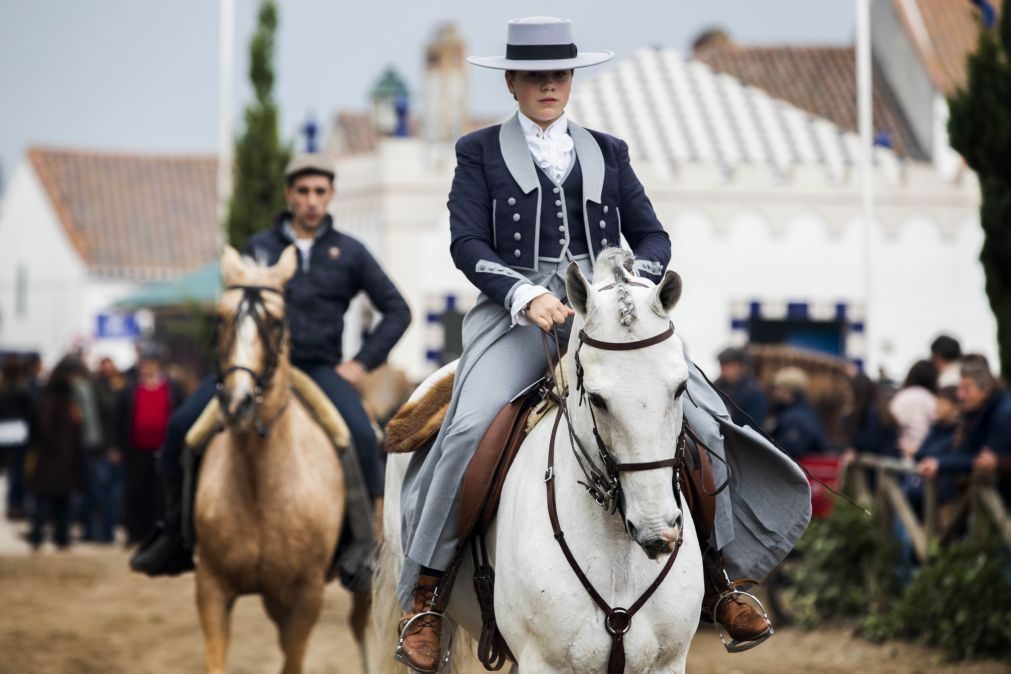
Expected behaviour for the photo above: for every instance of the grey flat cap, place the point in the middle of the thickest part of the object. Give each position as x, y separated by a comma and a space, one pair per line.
309, 162
541, 43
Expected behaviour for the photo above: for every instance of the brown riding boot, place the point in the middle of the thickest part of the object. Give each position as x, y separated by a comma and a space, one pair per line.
421, 642
744, 624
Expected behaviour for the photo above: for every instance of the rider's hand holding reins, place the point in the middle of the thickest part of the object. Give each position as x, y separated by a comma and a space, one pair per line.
546, 310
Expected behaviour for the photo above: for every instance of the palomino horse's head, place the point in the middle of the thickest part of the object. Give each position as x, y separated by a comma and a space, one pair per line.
252, 336
632, 392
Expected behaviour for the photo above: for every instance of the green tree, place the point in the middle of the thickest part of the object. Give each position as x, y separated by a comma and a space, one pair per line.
980, 129
260, 156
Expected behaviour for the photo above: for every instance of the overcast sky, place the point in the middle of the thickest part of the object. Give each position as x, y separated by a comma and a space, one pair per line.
142, 75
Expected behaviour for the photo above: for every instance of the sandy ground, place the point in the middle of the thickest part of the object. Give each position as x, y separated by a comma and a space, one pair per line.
83, 612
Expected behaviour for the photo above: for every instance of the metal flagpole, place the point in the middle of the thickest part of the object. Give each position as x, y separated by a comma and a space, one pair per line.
864, 113
226, 57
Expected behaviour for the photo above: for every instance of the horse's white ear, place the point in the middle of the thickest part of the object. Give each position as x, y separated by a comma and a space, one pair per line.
667, 294
286, 265
231, 263
577, 288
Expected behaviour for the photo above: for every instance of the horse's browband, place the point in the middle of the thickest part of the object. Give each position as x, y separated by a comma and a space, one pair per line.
627, 346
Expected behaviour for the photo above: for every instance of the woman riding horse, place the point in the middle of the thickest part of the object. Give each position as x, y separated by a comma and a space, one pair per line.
529, 197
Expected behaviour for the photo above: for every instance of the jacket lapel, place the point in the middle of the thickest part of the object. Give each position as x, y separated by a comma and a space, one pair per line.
517, 155
591, 161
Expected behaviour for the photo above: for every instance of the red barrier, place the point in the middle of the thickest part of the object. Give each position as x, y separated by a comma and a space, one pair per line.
826, 469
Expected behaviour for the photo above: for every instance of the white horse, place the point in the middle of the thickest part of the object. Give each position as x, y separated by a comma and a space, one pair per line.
548, 619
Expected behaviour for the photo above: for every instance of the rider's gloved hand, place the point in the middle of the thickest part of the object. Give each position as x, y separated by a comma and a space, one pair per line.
547, 310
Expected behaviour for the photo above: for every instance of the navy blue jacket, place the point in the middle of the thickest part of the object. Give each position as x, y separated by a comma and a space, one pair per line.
939, 443
748, 396
503, 219
319, 293
798, 429
873, 436
989, 426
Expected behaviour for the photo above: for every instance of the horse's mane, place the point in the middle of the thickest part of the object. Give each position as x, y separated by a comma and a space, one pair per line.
618, 264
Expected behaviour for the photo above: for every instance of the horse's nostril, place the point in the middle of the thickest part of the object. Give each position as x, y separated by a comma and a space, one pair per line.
655, 547
632, 531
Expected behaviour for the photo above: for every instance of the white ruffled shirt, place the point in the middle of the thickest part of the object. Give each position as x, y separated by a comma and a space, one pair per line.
552, 147
554, 152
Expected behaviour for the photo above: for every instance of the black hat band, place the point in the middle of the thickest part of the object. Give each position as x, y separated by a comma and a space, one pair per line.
540, 52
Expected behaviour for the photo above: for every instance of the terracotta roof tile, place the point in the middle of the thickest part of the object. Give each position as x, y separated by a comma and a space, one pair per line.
820, 80
944, 32
355, 133
134, 216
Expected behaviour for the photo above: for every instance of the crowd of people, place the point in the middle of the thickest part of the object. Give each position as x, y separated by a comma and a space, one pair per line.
79, 446
949, 418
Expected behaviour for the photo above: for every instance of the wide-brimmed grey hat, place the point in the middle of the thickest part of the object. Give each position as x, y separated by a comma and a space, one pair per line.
541, 43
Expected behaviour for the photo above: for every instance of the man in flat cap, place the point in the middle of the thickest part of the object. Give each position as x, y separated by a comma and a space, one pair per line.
333, 267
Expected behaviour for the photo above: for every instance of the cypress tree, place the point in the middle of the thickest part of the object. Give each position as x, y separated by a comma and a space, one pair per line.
260, 157
980, 129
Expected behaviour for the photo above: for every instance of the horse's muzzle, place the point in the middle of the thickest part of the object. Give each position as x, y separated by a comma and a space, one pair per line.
238, 410
658, 543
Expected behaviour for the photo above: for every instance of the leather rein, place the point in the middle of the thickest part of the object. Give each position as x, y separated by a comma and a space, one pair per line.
605, 488
272, 333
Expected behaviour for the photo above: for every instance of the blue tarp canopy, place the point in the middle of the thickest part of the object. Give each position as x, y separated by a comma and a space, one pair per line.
201, 286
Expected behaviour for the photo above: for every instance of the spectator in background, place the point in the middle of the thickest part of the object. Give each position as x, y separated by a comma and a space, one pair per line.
143, 413
870, 426
940, 441
983, 437
914, 405
105, 466
945, 353
59, 469
750, 406
17, 416
796, 428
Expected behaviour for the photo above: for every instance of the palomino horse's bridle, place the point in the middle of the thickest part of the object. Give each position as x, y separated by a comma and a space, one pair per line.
604, 486
272, 333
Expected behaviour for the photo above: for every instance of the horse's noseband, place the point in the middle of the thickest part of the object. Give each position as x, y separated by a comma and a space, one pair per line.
272, 333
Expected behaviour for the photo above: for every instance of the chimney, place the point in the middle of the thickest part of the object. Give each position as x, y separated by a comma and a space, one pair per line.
445, 85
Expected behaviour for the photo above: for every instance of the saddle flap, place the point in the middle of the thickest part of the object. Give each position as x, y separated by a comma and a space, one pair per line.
320, 408
486, 473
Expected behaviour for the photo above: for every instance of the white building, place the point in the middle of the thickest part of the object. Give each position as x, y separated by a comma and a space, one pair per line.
761, 201
920, 47
80, 230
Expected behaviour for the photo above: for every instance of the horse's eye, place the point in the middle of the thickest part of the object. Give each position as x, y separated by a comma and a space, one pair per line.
681, 389
598, 401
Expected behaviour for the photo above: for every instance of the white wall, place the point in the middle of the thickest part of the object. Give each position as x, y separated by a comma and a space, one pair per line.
752, 237
62, 300
801, 242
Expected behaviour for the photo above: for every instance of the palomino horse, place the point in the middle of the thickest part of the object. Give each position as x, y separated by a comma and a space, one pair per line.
628, 377
270, 500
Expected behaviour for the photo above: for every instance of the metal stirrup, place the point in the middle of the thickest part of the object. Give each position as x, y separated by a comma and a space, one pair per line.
447, 654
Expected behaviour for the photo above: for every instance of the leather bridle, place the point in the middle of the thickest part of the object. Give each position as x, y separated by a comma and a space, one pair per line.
604, 486
272, 333
602, 481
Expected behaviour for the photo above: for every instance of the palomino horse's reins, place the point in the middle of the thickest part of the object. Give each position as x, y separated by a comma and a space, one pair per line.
604, 487
272, 333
